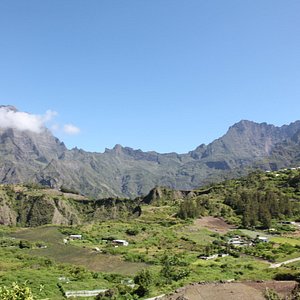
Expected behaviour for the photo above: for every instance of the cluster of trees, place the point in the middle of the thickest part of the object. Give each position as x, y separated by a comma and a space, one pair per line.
190, 208
259, 207
294, 181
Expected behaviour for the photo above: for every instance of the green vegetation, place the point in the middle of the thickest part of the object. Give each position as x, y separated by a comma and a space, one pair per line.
252, 201
16, 292
166, 247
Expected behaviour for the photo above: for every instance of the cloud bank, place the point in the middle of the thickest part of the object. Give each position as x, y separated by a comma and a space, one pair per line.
11, 118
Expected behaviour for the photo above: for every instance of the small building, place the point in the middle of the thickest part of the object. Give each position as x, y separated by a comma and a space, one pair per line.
262, 239
208, 257
223, 254
76, 236
120, 242
286, 222
236, 240
236, 243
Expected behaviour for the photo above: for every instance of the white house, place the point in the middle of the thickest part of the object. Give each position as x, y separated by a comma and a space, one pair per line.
237, 241
209, 257
120, 242
76, 236
263, 239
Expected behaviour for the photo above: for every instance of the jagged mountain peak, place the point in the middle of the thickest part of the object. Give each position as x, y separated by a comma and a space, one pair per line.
122, 171
246, 125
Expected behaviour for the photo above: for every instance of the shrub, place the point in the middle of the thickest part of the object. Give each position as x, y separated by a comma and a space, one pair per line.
16, 292
143, 279
132, 231
24, 245
271, 294
286, 276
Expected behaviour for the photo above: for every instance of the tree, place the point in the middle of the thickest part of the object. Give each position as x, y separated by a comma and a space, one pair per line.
188, 209
144, 280
110, 294
265, 217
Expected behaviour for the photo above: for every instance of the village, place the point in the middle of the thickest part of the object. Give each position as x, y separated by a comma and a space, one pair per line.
231, 245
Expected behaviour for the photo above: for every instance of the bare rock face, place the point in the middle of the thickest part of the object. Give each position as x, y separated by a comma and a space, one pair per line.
163, 194
33, 207
7, 216
27, 156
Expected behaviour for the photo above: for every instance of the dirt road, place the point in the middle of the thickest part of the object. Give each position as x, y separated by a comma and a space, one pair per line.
273, 266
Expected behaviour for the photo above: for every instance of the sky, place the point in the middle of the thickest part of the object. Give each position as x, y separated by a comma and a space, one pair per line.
163, 75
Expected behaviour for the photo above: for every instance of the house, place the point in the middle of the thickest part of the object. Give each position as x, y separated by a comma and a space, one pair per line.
212, 256
208, 257
120, 242
223, 254
286, 222
76, 236
237, 241
262, 239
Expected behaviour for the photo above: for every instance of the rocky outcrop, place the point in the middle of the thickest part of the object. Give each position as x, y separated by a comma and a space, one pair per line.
34, 206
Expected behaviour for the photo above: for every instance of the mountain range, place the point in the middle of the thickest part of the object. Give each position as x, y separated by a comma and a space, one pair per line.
31, 157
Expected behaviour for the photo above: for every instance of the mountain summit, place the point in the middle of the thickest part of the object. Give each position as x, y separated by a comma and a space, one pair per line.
29, 156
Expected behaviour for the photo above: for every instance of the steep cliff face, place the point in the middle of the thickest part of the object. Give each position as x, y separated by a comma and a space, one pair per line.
27, 156
163, 195
24, 153
33, 206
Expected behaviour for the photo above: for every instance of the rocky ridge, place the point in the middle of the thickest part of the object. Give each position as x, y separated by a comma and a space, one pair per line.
27, 156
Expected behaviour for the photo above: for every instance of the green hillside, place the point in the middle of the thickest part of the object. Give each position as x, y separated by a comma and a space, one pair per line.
174, 237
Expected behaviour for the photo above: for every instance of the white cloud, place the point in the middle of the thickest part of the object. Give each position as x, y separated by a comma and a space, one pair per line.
10, 118
71, 129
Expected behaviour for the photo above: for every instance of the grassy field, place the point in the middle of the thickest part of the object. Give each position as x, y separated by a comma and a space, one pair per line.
74, 254
287, 240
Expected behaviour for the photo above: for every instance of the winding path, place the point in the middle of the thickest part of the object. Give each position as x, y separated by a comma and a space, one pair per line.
273, 266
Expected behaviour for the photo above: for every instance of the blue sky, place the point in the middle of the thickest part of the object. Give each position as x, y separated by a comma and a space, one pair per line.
162, 75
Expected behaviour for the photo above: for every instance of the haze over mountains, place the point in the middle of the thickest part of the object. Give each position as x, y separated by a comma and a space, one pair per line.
29, 156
